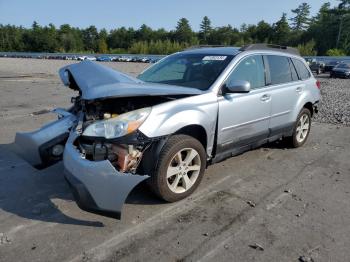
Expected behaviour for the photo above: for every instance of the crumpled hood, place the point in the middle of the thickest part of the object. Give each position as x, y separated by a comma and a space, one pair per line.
97, 81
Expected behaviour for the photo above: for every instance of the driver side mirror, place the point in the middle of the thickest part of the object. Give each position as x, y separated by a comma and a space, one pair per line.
236, 86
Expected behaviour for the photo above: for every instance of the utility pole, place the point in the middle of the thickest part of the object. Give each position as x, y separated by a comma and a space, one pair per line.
339, 31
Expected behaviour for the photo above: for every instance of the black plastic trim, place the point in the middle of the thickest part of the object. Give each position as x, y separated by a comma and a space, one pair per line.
44, 151
248, 143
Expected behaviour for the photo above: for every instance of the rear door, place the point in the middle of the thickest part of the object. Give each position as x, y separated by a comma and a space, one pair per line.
244, 118
285, 89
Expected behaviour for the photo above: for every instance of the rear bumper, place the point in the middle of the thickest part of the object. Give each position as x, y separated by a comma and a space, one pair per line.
97, 186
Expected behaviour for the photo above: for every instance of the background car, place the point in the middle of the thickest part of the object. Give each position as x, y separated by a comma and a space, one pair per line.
317, 66
341, 70
104, 59
330, 65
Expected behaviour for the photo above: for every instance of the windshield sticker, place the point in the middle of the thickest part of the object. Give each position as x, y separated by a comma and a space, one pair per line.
214, 58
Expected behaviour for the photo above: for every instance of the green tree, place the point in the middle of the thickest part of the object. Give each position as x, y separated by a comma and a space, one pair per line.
307, 49
335, 52
301, 19
281, 31
121, 38
263, 32
344, 4
224, 35
145, 33
205, 29
183, 32
90, 38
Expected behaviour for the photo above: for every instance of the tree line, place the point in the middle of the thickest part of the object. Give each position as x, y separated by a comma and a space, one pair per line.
326, 33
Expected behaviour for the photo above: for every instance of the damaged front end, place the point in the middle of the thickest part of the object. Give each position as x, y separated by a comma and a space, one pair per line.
101, 171
104, 154
101, 174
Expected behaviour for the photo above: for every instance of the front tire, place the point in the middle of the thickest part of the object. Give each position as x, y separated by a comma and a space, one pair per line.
301, 129
180, 168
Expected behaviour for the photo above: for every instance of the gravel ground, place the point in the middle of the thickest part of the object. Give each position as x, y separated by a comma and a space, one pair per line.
335, 104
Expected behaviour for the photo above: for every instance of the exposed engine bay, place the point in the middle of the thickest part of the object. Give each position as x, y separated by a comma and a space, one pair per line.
108, 108
125, 153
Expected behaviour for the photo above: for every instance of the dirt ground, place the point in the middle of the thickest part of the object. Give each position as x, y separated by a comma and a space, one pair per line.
270, 204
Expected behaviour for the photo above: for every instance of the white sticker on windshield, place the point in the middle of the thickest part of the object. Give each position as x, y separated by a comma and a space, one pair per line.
214, 58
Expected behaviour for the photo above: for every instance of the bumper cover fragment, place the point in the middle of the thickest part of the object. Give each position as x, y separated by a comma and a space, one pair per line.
97, 186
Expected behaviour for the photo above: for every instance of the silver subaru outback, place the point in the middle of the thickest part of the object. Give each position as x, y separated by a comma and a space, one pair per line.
191, 109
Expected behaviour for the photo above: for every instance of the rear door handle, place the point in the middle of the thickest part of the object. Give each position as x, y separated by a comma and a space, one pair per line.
265, 98
299, 89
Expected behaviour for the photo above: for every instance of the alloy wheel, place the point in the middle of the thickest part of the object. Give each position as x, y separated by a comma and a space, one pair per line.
303, 128
183, 170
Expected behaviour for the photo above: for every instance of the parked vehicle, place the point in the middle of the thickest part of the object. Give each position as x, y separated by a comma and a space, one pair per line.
103, 59
330, 65
341, 70
191, 109
145, 60
317, 66
89, 58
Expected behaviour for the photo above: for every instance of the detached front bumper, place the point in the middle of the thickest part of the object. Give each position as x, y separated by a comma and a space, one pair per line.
97, 186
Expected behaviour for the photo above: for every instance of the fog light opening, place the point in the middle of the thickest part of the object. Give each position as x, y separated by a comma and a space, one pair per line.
57, 150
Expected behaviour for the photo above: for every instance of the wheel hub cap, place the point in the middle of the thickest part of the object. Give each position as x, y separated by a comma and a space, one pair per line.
183, 170
302, 128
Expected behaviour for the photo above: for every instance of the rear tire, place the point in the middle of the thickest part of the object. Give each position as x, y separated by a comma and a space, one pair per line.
180, 168
301, 129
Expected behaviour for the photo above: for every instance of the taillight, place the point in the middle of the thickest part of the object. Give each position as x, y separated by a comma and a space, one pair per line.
318, 84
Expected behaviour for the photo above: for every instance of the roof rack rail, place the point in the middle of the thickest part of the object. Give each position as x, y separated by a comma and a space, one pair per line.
204, 46
285, 49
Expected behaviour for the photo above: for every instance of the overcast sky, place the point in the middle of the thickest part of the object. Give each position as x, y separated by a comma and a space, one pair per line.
155, 13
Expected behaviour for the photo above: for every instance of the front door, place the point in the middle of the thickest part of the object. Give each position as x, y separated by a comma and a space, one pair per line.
244, 118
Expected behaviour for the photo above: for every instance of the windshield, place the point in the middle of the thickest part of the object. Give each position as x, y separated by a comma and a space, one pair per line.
187, 70
343, 66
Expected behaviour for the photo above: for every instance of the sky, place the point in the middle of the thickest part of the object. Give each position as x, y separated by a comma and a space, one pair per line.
111, 14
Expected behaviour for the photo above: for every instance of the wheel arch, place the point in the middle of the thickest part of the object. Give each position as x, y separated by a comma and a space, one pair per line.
309, 106
196, 131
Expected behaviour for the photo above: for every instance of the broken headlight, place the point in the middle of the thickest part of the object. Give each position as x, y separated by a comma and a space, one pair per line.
118, 126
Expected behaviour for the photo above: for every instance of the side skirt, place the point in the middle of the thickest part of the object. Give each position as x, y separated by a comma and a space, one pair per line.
236, 148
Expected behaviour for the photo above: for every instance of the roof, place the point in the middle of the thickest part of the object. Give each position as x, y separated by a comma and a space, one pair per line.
227, 50
230, 50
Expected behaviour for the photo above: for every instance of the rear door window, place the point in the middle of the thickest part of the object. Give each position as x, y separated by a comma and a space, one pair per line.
280, 71
303, 72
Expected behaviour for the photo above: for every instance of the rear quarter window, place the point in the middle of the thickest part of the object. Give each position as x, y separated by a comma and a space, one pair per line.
302, 71
280, 71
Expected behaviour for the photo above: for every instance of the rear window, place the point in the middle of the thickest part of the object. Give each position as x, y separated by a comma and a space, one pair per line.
279, 69
303, 72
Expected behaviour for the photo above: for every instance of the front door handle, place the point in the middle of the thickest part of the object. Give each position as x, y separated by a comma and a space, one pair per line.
265, 98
